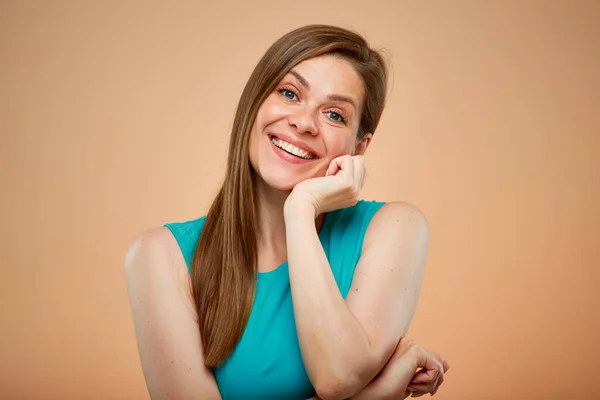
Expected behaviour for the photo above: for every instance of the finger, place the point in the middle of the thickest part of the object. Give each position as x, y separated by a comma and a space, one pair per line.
427, 379
425, 383
446, 365
343, 163
359, 170
441, 380
423, 387
421, 377
419, 394
433, 371
424, 359
439, 383
363, 180
437, 386
424, 376
332, 169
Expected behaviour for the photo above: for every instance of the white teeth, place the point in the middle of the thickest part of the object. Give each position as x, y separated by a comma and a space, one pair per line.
290, 148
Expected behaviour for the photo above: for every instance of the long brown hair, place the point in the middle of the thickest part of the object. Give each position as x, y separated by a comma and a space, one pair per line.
225, 263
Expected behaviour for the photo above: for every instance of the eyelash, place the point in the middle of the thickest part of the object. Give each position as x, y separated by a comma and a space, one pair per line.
285, 89
342, 118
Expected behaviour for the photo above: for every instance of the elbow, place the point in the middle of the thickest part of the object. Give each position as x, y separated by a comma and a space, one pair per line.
342, 384
333, 390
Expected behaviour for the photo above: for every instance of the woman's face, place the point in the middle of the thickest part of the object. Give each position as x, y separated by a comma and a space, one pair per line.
311, 118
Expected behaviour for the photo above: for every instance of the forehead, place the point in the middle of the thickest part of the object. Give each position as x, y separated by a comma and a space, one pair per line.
331, 74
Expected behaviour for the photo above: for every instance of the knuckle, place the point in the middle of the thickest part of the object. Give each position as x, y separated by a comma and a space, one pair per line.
414, 347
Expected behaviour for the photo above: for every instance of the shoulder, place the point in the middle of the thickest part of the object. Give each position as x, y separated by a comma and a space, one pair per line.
355, 218
153, 253
398, 218
401, 212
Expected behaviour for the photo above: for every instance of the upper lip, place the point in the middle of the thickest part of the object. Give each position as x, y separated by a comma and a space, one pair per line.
295, 142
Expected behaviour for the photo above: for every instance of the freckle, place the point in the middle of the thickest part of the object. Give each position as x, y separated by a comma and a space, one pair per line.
392, 269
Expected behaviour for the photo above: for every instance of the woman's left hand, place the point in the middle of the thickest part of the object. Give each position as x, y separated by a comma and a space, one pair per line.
412, 371
339, 188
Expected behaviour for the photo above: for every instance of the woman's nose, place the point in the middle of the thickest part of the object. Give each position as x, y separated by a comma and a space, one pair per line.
304, 121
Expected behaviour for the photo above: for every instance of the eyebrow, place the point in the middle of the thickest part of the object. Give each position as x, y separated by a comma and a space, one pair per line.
301, 79
332, 97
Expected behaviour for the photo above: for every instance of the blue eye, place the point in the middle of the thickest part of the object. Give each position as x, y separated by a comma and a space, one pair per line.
336, 117
288, 94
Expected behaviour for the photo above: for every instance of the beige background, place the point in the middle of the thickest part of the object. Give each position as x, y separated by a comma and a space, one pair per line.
115, 117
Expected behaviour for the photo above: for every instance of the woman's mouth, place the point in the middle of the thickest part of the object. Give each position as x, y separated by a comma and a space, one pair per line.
291, 149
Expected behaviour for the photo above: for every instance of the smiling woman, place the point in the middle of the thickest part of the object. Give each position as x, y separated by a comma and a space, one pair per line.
320, 98
298, 287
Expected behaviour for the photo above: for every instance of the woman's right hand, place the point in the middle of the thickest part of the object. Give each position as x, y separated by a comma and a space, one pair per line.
412, 370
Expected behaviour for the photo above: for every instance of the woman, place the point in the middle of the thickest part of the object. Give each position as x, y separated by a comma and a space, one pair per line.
297, 288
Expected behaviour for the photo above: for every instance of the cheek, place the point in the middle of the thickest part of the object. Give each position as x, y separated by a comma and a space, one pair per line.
341, 146
260, 117
268, 113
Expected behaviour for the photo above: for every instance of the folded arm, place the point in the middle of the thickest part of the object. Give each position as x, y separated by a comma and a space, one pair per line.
346, 343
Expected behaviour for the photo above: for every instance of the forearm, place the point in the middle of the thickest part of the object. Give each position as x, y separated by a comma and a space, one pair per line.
335, 348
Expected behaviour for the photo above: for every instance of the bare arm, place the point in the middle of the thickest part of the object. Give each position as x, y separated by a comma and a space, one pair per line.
165, 320
412, 370
345, 344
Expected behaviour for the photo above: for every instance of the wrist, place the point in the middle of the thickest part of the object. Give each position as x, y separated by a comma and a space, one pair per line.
298, 205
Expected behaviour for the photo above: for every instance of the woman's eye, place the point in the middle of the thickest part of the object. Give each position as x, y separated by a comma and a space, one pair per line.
288, 94
336, 117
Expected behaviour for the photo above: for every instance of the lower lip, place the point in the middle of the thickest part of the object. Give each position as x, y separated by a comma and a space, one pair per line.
287, 156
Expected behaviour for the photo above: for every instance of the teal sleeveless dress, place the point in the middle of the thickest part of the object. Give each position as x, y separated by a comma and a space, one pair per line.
267, 363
